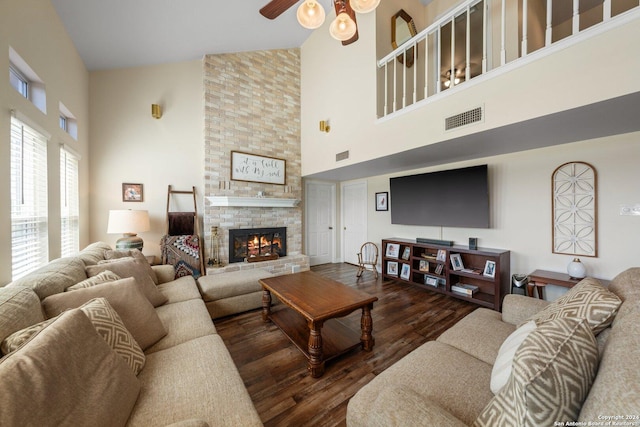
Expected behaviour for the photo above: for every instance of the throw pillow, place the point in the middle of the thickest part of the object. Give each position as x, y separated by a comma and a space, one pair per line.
16, 339
124, 295
502, 366
66, 374
132, 268
132, 253
110, 327
104, 277
552, 374
93, 253
588, 300
19, 308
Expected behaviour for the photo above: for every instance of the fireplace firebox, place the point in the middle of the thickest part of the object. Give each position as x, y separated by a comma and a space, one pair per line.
257, 243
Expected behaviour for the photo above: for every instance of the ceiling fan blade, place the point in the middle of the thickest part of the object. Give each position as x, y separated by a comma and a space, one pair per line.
338, 6
275, 8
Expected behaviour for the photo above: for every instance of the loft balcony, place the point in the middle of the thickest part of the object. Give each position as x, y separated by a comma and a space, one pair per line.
481, 39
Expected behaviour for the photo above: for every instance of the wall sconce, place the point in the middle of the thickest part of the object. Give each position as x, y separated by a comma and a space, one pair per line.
156, 111
324, 126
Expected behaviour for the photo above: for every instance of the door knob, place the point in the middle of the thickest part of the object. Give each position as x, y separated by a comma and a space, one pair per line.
330, 228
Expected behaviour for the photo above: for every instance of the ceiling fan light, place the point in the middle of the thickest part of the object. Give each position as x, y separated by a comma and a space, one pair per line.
364, 6
310, 14
343, 27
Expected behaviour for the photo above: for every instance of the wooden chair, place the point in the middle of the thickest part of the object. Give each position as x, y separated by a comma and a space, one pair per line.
368, 255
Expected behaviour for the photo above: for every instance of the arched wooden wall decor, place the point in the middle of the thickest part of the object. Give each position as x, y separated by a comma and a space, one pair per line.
574, 209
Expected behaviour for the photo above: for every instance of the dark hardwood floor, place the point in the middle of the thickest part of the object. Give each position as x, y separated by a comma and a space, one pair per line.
275, 371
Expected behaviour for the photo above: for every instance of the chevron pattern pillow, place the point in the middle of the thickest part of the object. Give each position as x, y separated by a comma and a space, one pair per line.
109, 326
16, 339
587, 300
552, 374
104, 277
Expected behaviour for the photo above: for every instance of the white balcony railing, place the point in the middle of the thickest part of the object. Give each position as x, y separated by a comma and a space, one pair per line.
479, 36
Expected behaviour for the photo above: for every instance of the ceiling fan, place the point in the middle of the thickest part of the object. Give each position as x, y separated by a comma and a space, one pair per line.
311, 15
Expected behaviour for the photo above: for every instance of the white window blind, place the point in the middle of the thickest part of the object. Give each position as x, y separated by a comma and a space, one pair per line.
69, 203
29, 241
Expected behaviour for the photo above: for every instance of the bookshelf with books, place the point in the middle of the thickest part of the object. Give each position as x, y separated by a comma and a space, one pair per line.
480, 276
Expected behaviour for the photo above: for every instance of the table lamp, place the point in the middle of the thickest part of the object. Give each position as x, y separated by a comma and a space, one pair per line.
129, 223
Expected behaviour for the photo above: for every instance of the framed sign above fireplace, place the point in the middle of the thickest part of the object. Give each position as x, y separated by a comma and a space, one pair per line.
254, 168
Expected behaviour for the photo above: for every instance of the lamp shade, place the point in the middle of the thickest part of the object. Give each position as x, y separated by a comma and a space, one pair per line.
128, 221
310, 14
364, 6
343, 27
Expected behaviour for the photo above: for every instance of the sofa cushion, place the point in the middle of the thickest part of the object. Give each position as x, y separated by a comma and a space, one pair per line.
136, 269
615, 389
111, 328
54, 277
135, 254
181, 289
479, 334
183, 321
175, 382
64, 375
502, 367
135, 310
93, 253
104, 277
588, 300
552, 373
224, 285
19, 308
438, 373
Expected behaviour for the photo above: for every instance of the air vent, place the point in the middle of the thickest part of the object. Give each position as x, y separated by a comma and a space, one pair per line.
463, 119
342, 156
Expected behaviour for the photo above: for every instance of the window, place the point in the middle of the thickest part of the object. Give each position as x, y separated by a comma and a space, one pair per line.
29, 240
69, 203
63, 123
68, 122
18, 81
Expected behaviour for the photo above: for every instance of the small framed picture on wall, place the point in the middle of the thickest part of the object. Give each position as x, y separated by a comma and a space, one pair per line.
132, 192
382, 201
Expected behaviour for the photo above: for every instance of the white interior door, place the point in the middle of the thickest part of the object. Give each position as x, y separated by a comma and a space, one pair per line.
320, 214
354, 219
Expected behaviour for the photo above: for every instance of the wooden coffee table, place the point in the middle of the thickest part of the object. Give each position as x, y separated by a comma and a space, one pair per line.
312, 304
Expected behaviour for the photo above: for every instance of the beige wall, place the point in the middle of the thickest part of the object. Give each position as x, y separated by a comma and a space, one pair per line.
128, 145
32, 28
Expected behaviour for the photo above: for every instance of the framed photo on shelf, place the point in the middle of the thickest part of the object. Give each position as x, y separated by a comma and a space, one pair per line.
382, 201
393, 250
456, 262
392, 268
431, 281
406, 253
406, 272
442, 255
424, 265
132, 192
439, 268
489, 269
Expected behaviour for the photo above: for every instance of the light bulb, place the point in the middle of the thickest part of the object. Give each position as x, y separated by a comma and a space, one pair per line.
310, 14
364, 6
343, 27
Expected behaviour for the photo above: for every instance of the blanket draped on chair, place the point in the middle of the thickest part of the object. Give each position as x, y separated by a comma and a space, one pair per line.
183, 252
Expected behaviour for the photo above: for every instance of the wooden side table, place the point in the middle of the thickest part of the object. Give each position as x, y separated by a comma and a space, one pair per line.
541, 278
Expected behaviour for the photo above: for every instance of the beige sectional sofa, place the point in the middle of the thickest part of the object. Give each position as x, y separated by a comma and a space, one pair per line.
64, 374
579, 364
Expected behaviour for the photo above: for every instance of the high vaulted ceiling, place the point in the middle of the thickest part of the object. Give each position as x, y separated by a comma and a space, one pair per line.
128, 33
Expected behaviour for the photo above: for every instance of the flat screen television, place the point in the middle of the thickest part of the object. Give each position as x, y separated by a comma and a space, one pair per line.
450, 198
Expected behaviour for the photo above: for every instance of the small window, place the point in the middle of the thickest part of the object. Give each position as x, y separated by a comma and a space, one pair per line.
68, 122
18, 81
63, 123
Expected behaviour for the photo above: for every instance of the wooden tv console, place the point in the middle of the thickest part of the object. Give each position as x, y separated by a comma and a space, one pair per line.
423, 265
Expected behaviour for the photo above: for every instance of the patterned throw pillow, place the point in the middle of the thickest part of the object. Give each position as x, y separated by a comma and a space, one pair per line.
587, 300
104, 277
502, 366
16, 339
110, 327
552, 374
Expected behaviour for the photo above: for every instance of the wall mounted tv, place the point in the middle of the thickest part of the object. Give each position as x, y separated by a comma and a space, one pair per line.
450, 198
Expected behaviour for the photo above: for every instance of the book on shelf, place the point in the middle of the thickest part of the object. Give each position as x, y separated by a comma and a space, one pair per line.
464, 288
472, 270
428, 256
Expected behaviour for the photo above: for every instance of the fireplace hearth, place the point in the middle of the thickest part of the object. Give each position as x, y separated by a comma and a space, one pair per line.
257, 243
